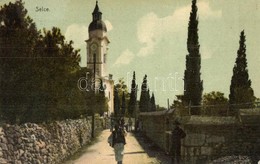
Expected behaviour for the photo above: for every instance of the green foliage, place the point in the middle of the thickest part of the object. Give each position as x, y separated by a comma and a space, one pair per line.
144, 104
241, 94
215, 104
152, 102
39, 71
159, 108
133, 98
179, 106
123, 106
116, 103
18, 36
193, 38
122, 89
193, 84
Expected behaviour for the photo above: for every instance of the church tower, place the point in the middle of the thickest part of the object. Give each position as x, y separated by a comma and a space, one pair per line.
97, 44
97, 48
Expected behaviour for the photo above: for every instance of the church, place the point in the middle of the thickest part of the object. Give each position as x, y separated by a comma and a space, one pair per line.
97, 54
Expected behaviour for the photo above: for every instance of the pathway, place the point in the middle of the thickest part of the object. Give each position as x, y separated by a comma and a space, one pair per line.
102, 153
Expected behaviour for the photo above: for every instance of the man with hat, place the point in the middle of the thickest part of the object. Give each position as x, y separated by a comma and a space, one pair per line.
177, 135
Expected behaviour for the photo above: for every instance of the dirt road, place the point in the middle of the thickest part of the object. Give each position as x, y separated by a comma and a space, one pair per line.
102, 153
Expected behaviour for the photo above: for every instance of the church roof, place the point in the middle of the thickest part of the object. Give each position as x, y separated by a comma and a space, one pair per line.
96, 10
97, 23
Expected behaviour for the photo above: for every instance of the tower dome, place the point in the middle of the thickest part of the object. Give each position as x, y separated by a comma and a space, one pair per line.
97, 23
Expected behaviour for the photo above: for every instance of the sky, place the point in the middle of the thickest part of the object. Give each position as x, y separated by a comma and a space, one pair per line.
149, 37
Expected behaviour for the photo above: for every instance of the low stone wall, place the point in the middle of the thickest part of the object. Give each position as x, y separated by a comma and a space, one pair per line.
154, 129
207, 137
156, 126
44, 143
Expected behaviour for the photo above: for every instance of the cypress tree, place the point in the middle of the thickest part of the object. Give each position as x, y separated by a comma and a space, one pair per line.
133, 94
241, 94
123, 107
153, 106
193, 85
148, 101
116, 103
144, 98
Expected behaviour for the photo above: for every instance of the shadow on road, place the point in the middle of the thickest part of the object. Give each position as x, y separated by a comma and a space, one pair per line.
151, 149
137, 152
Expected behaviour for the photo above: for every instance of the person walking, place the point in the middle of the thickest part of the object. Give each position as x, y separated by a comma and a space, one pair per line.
177, 135
118, 142
136, 125
130, 124
112, 123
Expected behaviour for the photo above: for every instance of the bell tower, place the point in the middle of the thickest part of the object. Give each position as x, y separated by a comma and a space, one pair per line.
97, 48
97, 44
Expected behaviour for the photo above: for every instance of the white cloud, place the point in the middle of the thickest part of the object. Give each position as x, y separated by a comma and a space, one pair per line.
206, 12
125, 58
147, 33
78, 34
108, 25
151, 29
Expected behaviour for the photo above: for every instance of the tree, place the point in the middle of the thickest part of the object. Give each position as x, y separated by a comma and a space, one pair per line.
42, 66
192, 83
159, 108
241, 94
116, 103
148, 100
18, 35
123, 106
215, 104
144, 104
179, 106
133, 96
56, 62
153, 106
122, 88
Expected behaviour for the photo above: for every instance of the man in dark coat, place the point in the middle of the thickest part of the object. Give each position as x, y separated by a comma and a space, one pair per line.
177, 135
118, 142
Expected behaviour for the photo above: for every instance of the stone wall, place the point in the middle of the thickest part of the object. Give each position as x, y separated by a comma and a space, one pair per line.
156, 126
207, 137
156, 134
44, 143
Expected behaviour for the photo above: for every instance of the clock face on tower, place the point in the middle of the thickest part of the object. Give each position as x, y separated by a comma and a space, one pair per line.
93, 47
